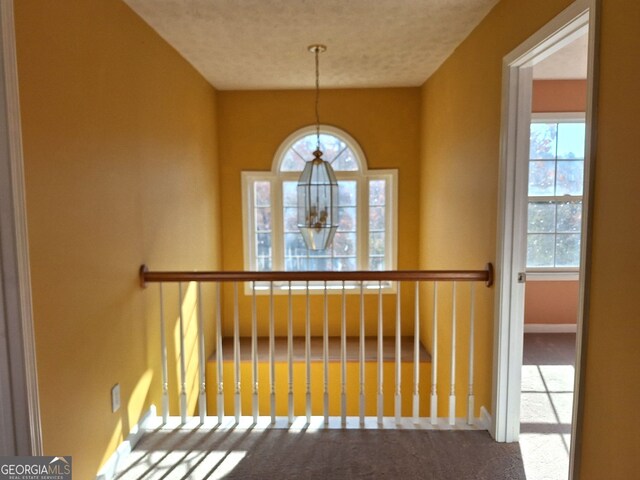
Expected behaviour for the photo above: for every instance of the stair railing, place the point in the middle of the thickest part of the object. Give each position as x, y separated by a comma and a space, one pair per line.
341, 279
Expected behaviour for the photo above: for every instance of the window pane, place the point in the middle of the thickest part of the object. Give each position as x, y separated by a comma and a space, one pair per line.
571, 140
569, 217
347, 219
264, 264
304, 149
292, 162
263, 244
295, 264
334, 151
263, 219
569, 178
541, 217
347, 194
290, 218
542, 178
540, 248
290, 194
376, 243
568, 250
294, 245
377, 192
329, 145
376, 219
344, 244
319, 253
262, 194
543, 140
319, 263
342, 264
345, 162
376, 263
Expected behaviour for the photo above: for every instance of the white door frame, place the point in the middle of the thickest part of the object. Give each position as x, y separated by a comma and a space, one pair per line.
20, 432
511, 254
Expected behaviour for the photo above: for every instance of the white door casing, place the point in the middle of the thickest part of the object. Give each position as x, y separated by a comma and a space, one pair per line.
19, 408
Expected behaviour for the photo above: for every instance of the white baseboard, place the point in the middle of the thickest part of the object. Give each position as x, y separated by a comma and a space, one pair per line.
550, 328
109, 469
316, 422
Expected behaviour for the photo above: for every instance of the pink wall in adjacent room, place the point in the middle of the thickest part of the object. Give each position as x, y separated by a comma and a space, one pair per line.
554, 302
551, 302
559, 96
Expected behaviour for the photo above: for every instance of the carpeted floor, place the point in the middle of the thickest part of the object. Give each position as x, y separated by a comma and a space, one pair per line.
323, 454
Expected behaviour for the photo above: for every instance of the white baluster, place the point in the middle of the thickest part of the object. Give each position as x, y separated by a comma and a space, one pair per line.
398, 365
343, 358
272, 368
380, 357
183, 371
254, 351
362, 353
434, 359
471, 398
219, 356
452, 390
163, 359
236, 353
325, 355
290, 356
202, 400
416, 356
307, 357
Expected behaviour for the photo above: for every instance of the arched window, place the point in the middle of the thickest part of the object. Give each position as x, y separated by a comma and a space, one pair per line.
365, 239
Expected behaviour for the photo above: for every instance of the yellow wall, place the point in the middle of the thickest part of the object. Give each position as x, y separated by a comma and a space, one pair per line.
385, 122
612, 384
460, 139
120, 159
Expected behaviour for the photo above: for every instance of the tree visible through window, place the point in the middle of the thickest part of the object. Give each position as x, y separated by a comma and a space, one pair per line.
556, 172
365, 236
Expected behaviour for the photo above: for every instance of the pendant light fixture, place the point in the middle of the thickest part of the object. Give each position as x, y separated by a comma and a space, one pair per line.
317, 188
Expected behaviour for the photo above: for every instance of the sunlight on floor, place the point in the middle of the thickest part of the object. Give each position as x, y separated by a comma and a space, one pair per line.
545, 420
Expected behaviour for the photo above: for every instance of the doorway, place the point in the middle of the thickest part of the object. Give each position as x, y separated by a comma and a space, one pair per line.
519, 67
555, 186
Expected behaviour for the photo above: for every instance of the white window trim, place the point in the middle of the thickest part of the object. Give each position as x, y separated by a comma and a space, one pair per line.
555, 273
558, 117
560, 275
276, 179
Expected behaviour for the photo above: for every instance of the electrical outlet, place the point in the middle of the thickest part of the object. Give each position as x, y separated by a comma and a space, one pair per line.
115, 398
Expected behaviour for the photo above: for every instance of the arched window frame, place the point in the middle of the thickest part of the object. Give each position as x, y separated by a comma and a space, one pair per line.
275, 179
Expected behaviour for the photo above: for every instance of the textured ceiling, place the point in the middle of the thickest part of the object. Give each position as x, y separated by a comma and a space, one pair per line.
570, 62
262, 44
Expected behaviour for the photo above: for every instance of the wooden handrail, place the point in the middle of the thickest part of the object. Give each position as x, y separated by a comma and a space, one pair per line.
390, 275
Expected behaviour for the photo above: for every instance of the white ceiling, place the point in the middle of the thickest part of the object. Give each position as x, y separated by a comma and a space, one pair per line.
570, 62
262, 44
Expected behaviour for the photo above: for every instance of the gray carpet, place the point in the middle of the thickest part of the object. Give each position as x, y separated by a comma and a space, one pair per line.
324, 454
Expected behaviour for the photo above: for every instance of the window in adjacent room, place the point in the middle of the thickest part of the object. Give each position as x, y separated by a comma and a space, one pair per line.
556, 171
365, 239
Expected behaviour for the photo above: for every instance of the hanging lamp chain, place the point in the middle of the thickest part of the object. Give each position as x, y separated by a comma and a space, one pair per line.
317, 52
